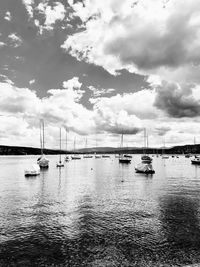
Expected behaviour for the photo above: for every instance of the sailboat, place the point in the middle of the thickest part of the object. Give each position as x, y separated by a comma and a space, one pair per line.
75, 156
60, 163
145, 166
66, 157
122, 158
145, 158
42, 160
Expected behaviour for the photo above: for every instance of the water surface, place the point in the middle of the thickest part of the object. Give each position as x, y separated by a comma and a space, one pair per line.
96, 212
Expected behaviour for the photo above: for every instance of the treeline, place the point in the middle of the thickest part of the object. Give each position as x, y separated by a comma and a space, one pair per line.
17, 150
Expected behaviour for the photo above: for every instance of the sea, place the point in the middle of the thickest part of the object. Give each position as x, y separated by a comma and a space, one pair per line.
97, 212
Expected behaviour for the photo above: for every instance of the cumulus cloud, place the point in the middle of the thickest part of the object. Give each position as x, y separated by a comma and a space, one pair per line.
2, 44
117, 123
120, 35
177, 101
32, 81
18, 100
52, 14
140, 103
14, 39
29, 6
7, 16
99, 92
154, 109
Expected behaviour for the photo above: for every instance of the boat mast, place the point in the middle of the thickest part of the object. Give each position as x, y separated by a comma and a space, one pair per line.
43, 133
41, 143
66, 141
144, 150
60, 147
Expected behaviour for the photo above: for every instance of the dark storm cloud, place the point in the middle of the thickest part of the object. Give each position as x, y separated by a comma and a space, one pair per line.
177, 101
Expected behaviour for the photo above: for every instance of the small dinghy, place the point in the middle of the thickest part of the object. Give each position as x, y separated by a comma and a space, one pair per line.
87, 156
144, 168
33, 170
75, 157
66, 158
60, 164
165, 157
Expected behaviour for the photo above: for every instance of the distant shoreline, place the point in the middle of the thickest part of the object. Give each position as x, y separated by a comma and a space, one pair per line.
20, 150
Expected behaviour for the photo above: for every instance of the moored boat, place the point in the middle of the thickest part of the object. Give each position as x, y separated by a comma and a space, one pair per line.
144, 168
42, 160
122, 157
60, 163
34, 170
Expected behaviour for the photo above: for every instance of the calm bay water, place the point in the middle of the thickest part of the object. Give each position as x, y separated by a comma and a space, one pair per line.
95, 212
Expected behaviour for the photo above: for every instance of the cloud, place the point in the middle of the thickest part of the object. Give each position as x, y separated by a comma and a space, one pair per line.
154, 109
140, 104
177, 101
2, 44
116, 123
18, 100
14, 39
99, 92
29, 6
121, 35
7, 16
32, 81
162, 129
72, 83
52, 14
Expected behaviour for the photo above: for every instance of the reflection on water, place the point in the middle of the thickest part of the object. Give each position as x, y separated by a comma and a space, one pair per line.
99, 213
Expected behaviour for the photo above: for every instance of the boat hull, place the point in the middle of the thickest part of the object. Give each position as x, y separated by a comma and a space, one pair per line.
59, 165
75, 158
28, 174
195, 162
145, 172
126, 161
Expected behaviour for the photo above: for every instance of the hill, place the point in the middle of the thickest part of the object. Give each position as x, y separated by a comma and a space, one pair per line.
18, 150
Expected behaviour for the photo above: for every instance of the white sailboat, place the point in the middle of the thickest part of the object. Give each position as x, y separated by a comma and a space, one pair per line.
145, 158
123, 158
42, 160
60, 163
145, 166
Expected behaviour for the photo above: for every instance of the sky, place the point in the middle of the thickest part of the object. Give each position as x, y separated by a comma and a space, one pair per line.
99, 69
